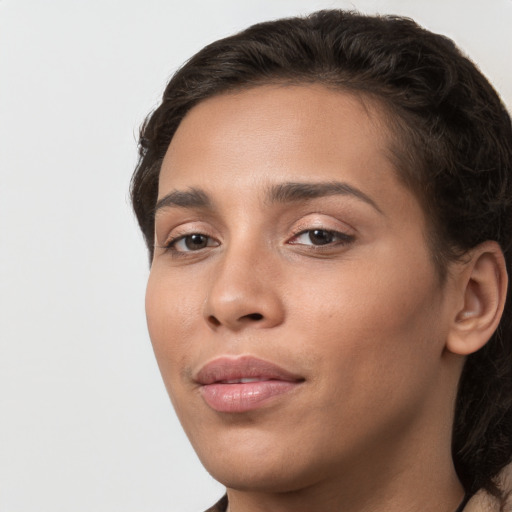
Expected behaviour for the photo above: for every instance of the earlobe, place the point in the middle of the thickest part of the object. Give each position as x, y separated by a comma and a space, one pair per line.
482, 284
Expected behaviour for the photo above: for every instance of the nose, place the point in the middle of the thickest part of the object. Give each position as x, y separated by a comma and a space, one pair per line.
244, 292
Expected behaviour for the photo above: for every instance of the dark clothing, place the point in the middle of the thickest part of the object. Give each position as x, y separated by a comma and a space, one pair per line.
220, 506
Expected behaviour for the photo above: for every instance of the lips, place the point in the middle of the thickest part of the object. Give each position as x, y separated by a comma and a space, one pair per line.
243, 383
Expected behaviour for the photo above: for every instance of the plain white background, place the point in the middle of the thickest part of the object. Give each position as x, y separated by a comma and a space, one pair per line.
85, 424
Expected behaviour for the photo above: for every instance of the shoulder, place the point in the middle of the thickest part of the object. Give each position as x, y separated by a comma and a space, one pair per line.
484, 502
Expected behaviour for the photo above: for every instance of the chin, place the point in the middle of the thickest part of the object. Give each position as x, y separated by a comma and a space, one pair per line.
264, 468
265, 477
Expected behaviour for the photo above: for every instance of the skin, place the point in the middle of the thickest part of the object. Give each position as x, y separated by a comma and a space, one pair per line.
364, 320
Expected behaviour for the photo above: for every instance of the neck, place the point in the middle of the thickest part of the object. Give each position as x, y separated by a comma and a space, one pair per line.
409, 493
401, 474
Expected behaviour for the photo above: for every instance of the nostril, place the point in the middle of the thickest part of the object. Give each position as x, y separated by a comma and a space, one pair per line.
213, 321
255, 316
251, 317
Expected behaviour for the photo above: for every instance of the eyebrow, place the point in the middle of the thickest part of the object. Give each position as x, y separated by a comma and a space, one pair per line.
281, 193
300, 191
191, 198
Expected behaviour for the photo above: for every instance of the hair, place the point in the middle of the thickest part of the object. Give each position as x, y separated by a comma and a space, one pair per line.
452, 146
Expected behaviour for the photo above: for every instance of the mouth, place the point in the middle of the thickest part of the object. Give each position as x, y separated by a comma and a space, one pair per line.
245, 383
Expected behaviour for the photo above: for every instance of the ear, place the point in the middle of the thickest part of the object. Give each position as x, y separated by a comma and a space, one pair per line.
482, 287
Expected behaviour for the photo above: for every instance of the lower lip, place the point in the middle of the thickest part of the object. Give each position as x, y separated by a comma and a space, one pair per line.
246, 396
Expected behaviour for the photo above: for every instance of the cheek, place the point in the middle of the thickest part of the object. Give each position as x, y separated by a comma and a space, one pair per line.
373, 350
173, 311
377, 322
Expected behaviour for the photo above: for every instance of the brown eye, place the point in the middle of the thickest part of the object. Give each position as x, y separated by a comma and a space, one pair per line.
195, 242
321, 236
192, 242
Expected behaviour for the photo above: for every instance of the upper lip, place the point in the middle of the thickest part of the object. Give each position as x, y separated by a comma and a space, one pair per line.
228, 368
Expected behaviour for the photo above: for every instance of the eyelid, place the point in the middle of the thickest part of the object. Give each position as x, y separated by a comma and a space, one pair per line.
180, 232
174, 222
324, 222
173, 242
343, 238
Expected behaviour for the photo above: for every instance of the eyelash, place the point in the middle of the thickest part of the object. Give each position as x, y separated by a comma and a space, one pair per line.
338, 239
341, 238
170, 246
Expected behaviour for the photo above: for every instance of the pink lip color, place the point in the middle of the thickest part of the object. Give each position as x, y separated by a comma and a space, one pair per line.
223, 395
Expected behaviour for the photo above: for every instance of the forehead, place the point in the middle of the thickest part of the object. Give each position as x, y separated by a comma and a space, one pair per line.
279, 133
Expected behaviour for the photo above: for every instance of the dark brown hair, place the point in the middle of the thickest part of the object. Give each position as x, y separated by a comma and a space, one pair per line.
453, 148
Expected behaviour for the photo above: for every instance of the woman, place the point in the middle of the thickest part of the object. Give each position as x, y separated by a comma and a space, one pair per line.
326, 203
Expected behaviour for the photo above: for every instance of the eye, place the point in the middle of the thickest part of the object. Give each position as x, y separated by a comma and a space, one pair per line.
191, 242
319, 237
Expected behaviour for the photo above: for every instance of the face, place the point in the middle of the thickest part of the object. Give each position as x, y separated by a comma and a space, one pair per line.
294, 309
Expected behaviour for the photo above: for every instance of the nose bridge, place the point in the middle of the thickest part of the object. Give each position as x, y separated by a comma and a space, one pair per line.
244, 287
